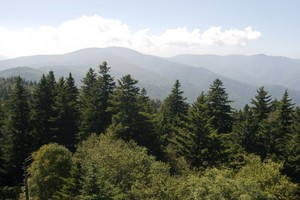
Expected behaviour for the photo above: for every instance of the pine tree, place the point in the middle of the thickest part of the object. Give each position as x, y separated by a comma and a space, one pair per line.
261, 105
128, 120
292, 167
17, 129
173, 110
106, 86
94, 99
89, 104
196, 140
219, 108
66, 114
42, 109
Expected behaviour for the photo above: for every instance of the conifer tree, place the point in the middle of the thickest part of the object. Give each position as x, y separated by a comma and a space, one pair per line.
89, 104
94, 99
66, 114
42, 109
261, 105
17, 129
219, 108
173, 110
128, 120
106, 86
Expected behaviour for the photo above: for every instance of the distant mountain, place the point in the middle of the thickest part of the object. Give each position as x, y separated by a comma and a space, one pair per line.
156, 74
26, 72
3, 57
257, 69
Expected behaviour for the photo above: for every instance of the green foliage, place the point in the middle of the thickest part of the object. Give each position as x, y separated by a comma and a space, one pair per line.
65, 112
172, 114
219, 108
95, 95
130, 119
125, 167
48, 172
42, 109
255, 180
196, 140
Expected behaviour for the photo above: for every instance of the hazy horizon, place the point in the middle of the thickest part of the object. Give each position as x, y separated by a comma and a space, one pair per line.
160, 28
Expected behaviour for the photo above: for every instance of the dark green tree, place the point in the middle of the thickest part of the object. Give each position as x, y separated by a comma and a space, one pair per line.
106, 86
94, 98
66, 112
89, 104
17, 130
292, 167
173, 110
196, 140
42, 109
129, 121
261, 105
219, 108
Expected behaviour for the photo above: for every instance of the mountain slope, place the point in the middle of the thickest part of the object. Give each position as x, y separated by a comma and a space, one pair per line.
156, 74
257, 69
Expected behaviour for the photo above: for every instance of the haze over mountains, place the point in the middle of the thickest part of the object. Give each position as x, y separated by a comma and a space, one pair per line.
241, 75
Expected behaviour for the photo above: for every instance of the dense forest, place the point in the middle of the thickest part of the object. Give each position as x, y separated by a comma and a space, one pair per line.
109, 140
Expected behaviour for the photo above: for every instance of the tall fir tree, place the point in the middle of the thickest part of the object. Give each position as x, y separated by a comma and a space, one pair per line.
106, 86
292, 167
129, 122
219, 108
261, 105
94, 99
89, 104
173, 110
42, 109
17, 128
197, 141
66, 112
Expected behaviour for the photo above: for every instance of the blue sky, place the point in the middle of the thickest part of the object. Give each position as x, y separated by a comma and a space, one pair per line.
163, 28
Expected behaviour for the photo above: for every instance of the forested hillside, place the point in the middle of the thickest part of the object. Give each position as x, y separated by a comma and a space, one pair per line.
108, 140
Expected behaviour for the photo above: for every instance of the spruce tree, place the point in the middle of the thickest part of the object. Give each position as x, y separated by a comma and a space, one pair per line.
17, 128
173, 110
42, 109
219, 107
89, 104
261, 105
106, 86
94, 99
128, 120
66, 113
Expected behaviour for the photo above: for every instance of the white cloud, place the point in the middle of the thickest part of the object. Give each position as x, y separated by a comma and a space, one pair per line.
95, 31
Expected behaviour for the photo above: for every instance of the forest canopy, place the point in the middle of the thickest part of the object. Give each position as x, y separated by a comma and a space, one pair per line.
109, 140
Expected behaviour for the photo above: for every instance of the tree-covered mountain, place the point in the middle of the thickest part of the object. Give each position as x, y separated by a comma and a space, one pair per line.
257, 69
154, 73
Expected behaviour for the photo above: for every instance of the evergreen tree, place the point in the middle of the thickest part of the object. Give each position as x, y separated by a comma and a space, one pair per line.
42, 109
94, 99
128, 120
89, 104
261, 105
219, 108
66, 112
292, 167
173, 110
196, 140
106, 86
17, 128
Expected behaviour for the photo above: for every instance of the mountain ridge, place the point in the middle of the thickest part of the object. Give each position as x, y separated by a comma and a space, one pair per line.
156, 74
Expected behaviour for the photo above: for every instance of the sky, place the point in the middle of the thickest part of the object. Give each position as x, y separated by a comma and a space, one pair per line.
157, 27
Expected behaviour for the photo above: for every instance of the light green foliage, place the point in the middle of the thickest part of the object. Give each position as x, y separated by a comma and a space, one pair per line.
124, 167
49, 170
255, 180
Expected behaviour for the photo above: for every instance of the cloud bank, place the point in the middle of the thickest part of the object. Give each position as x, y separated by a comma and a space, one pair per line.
96, 31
